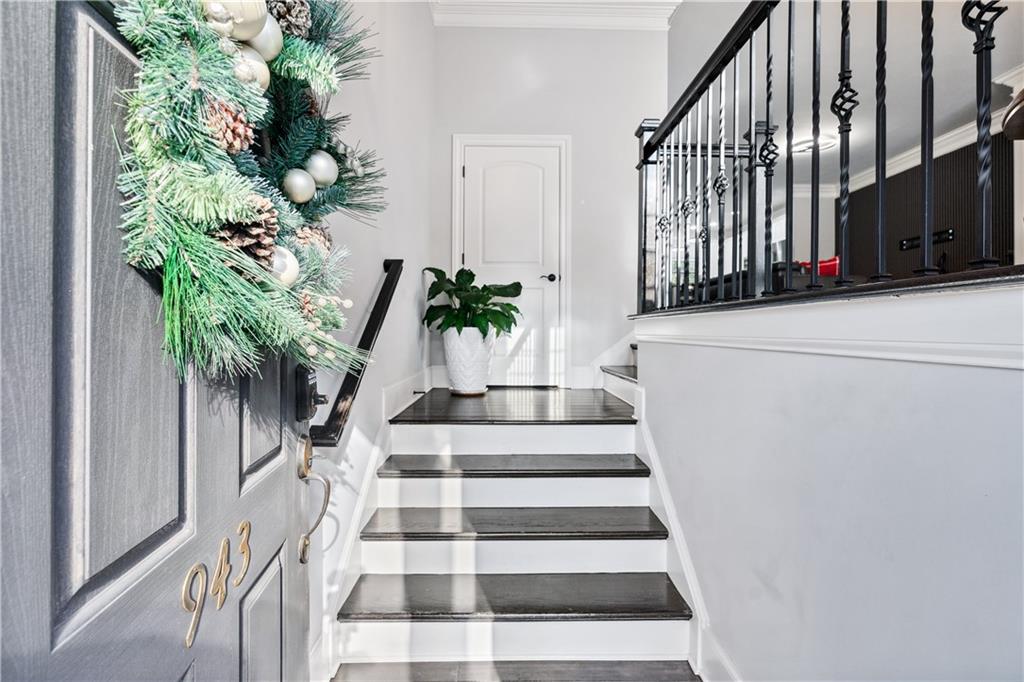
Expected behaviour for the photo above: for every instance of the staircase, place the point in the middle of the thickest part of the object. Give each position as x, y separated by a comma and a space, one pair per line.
513, 541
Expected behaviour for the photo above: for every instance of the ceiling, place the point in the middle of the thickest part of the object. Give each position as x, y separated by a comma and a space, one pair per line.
648, 15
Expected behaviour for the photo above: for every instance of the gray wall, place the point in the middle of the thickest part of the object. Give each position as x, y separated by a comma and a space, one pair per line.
849, 518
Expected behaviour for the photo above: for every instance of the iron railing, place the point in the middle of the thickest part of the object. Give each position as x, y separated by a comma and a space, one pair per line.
706, 176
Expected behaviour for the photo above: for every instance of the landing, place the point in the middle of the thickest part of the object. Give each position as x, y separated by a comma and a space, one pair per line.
514, 405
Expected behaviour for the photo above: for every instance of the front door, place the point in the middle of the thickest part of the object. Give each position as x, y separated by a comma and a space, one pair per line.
150, 528
513, 213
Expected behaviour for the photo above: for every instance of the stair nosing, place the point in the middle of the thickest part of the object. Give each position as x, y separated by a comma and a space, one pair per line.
610, 370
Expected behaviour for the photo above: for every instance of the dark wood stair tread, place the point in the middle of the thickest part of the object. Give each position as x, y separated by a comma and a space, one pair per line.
519, 671
511, 466
514, 523
518, 405
515, 597
626, 372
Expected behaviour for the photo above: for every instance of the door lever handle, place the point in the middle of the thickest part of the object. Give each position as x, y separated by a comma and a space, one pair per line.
307, 474
551, 277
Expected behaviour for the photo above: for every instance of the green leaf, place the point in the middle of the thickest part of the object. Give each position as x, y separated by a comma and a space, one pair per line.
505, 290
464, 277
435, 313
481, 322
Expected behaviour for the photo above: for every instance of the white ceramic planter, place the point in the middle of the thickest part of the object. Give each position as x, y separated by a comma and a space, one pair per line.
468, 356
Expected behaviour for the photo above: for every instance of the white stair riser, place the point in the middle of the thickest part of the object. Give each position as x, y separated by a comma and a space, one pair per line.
513, 492
620, 388
635, 640
486, 439
513, 556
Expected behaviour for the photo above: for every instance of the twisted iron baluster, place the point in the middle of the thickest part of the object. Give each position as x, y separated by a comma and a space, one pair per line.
881, 272
689, 208
927, 140
768, 155
980, 17
734, 279
699, 180
815, 151
721, 185
705, 231
844, 101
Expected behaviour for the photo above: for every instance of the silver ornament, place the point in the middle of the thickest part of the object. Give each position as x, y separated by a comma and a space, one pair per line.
246, 17
255, 61
269, 41
298, 185
244, 71
323, 168
227, 46
216, 11
356, 166
222, 28
284, 266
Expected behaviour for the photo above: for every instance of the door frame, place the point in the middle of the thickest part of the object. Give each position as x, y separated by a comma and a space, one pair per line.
563, 143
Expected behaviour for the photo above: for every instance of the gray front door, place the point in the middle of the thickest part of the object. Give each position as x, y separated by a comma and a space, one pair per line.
150, 527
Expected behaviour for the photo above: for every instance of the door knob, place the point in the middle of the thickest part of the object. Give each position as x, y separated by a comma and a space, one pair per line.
551, 277
307, 474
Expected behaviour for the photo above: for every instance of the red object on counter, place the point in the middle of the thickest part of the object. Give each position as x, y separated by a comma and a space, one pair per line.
826, 268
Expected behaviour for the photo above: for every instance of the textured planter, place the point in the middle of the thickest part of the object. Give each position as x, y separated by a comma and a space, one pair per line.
468, 356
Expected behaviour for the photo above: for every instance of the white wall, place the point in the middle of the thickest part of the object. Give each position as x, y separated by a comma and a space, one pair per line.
595, 86
848, 477
390, 112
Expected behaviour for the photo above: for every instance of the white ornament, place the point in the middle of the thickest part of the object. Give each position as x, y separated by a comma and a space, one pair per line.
298, 185
323, 168
347, 303
284, 266
244, 71
227, 46
269, 41
222, 28
249, 56
246, 17
329, 354
311, 350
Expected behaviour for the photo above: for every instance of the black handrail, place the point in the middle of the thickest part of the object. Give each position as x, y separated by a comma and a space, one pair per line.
329, 433
737, 37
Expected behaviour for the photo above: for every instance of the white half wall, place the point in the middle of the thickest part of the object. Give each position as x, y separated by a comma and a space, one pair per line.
594, 86
848, 476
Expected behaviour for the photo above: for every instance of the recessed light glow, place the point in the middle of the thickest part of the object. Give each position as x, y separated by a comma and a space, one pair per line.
807, 144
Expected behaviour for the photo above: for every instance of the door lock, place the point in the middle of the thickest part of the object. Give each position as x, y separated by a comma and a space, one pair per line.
551, 277
307, 397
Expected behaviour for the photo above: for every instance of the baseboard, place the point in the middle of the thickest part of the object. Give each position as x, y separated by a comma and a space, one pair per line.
680, 566
716, 666
394, 398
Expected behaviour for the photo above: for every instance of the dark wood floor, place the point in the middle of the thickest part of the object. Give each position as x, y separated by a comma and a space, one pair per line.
519, 671
514, 523
515, 597
514, 405
512, 466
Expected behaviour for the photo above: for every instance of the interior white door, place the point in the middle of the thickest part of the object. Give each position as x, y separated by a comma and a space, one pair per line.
512, 225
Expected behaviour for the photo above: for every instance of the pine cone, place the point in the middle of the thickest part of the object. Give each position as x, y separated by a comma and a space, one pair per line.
314, 235
306, 306
292, 15
229, 127
255, 238
314, 106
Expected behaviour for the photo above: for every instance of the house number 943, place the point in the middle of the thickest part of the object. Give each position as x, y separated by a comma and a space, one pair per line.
196, 580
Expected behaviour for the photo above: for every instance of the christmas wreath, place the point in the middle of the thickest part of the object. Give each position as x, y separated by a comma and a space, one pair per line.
230, 165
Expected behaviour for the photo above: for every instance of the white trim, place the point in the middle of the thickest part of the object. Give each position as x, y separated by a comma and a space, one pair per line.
563, 143
1014, 78
621, 16
978, 327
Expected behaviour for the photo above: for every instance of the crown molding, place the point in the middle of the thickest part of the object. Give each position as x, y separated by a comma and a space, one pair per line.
650, 15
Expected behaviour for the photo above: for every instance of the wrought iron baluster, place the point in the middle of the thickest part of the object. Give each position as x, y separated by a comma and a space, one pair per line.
980, 17
844, 101
721, 185
673, 145
688, 211
705, 233
751, 283
787, 285
815, 151
927, 140
881, 29
680, 225
734, 280
768, 155
699, 161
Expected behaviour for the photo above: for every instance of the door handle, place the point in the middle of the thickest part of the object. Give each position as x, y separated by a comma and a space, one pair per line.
551, 277
307, 474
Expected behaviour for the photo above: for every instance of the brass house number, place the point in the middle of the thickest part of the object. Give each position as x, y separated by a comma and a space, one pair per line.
196, 580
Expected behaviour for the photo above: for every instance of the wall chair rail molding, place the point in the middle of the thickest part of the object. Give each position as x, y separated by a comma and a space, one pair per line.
945, 327
619, 16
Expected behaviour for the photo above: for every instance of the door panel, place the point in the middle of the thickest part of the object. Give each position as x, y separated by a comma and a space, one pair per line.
512, 213
118, 479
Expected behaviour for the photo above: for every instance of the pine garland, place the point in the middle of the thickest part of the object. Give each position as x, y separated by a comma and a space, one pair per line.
223, 310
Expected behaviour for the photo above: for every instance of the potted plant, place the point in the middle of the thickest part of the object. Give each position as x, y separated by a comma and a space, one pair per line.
469, 322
